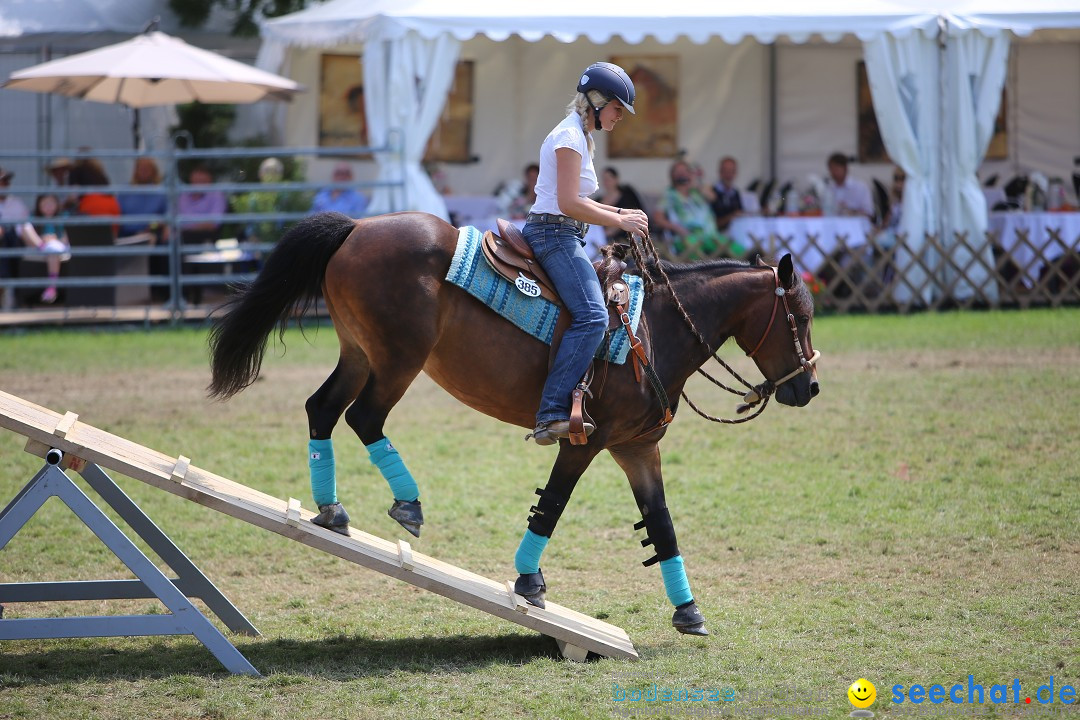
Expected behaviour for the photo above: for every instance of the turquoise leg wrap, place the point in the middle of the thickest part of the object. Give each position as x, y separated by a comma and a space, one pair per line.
321, 464
675, 582
527, 559
383, 456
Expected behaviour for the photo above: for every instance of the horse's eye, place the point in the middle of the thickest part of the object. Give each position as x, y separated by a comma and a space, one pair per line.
804, 319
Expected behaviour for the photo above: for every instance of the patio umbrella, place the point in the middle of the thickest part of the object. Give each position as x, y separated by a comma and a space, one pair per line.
153, 69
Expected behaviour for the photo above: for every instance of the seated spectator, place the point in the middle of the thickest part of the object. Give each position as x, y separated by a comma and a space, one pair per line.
145, 172
271, 171
88, 173
343, 200
686, 215
206, 202
526, 198
616, 195
49, 238
726, 202
850, 196
59, 169
13, 214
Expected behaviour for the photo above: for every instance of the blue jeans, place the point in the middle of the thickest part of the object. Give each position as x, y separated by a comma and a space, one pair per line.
561, 253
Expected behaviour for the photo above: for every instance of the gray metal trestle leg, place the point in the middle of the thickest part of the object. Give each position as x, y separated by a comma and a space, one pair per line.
185, 618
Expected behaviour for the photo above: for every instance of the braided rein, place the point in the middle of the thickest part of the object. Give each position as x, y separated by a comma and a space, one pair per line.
642, 247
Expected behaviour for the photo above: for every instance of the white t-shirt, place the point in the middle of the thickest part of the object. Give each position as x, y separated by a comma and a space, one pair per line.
854, 195
567, 134
12, 209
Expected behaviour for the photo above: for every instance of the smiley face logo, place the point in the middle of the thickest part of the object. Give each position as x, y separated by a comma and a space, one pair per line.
862, 693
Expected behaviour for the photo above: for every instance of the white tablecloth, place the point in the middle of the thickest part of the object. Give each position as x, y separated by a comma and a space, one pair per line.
1037, 226
778, 235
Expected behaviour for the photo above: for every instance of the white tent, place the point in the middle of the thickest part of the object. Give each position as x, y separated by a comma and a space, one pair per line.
935, 71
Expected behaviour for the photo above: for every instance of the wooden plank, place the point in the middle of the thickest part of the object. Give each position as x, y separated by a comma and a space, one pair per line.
64, 426
264, 511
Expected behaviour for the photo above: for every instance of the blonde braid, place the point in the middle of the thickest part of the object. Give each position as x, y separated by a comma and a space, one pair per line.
580, 106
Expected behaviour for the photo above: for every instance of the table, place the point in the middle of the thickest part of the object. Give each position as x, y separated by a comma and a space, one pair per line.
808, 239
1033, 239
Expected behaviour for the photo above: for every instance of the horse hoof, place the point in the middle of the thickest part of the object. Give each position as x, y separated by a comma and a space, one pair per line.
531, 587
332, 517
688, 620
408, 514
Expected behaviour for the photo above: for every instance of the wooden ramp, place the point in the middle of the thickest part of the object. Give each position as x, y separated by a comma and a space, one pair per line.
577, 634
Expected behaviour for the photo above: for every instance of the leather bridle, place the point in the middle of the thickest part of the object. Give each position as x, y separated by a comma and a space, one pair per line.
805, 365
759, 394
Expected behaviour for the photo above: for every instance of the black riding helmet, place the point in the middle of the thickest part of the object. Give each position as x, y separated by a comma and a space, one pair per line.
612, 82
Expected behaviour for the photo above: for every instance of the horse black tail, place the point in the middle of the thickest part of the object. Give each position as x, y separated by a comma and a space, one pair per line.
288, 283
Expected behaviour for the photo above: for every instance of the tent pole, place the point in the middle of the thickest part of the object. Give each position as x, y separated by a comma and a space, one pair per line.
772, 62
944, 165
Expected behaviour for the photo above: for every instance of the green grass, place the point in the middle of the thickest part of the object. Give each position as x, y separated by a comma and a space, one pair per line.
919, 522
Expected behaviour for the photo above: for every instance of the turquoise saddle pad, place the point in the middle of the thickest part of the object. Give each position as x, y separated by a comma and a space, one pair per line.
471, 271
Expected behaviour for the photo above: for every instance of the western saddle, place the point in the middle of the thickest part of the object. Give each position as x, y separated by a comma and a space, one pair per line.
511, 257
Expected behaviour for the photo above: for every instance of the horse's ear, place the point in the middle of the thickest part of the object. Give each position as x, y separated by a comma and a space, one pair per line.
758, 262
787, 272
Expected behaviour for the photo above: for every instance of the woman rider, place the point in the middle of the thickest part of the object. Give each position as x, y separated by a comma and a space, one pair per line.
555, 230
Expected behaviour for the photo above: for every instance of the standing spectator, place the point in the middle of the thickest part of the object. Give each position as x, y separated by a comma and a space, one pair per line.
850, 196
13, 214
343, 200
206, 202
726, 202
615, 194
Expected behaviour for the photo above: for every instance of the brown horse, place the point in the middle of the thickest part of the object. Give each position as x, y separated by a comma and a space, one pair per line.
383, 282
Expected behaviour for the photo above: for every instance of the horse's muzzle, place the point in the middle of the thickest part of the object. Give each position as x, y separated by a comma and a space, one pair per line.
798, 391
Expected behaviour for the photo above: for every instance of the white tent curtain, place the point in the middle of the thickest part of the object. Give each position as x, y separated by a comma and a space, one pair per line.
976, 66
266, 119
406, 82
903, 74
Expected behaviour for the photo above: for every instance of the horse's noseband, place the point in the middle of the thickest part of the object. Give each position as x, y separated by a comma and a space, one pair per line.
767, 388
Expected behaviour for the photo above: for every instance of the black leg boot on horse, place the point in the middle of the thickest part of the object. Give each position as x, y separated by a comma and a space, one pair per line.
569, 466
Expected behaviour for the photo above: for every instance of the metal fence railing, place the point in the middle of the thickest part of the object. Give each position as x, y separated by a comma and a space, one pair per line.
160, 274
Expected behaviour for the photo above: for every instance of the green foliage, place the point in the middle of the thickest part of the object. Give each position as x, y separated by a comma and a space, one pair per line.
245, 13
208, 126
